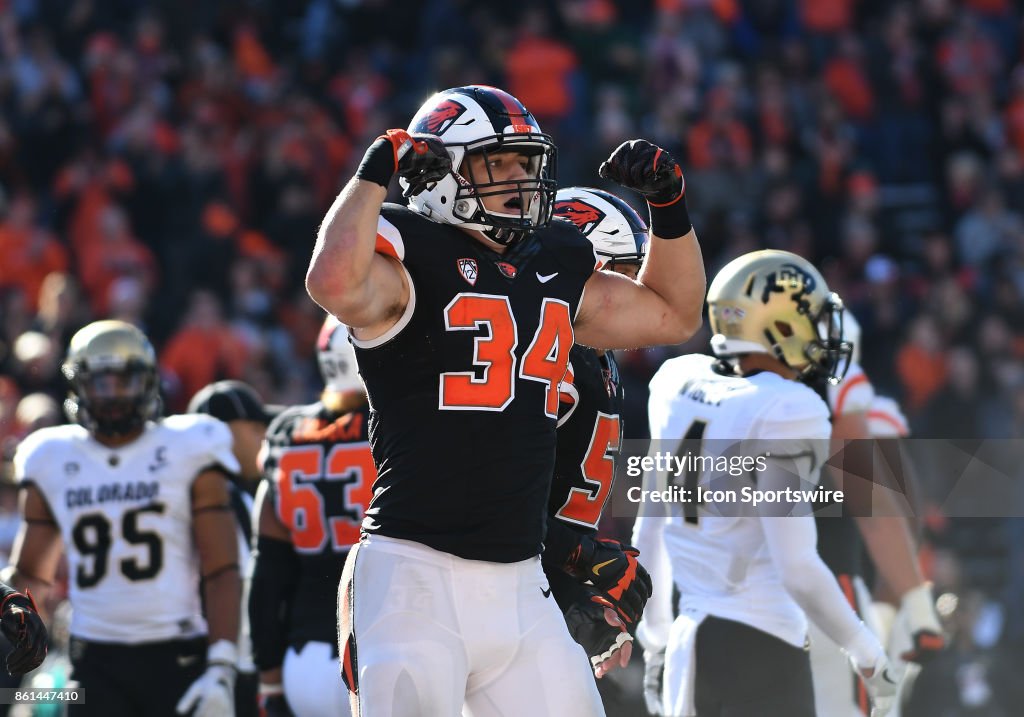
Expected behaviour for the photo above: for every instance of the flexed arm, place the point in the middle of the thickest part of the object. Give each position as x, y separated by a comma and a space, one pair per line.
664, 305
366, 290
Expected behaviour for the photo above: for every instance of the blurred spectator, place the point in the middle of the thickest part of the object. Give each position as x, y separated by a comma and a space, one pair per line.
29, 252
539, 68
921, 363
205, 349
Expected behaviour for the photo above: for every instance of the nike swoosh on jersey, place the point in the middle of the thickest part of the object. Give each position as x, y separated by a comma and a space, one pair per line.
597, 568
545, 279
546, 593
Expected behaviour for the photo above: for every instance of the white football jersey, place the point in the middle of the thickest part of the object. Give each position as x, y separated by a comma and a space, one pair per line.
125, 515
886, 420
719, 559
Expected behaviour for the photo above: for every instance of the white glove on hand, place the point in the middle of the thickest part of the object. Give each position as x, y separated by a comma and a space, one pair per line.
918, 619
654, 668
868, 658
883, 686
213, 694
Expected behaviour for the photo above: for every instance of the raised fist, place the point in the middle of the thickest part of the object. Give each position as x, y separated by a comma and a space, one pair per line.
420, 159
646, 168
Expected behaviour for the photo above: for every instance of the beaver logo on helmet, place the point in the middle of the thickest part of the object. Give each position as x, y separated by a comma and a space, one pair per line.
584, 216
439, 119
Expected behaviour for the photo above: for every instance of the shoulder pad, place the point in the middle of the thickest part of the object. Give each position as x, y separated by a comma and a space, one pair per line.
676, 370
206, 437
281, 426
40, 448
793, 411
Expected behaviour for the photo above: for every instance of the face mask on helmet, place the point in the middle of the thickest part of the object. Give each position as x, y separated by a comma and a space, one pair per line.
111, 369
337, 358
504, 168
776, 302
617, 232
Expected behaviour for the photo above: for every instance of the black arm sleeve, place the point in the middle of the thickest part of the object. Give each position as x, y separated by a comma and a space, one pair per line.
274, 580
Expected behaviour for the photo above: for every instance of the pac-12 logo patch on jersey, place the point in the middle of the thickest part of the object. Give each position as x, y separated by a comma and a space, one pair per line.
468, 269
441, 117
584, 216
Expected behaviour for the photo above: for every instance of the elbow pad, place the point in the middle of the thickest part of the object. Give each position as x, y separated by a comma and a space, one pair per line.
275, 575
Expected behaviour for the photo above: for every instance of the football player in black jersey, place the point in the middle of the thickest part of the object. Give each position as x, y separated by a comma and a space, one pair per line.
317, 472
463, 308
589, 438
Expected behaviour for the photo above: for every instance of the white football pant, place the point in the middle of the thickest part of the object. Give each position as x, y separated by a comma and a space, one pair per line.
442, 636
312, 683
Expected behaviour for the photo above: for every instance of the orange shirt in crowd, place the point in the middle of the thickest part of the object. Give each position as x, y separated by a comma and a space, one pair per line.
538, 75
27, 255
102, 263
847, 81
706, 140
827, 16
198, 356
922, 374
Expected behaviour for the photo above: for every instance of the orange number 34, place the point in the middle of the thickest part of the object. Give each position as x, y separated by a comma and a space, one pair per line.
545, 359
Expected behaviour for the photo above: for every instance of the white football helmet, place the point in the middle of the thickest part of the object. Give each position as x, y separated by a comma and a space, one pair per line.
337, 358
481, 119
617, 232
776, 302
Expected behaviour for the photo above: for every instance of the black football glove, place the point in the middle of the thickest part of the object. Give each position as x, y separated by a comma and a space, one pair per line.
646, 168
275, 705
588, 626
24, 629
420, 159
613, 569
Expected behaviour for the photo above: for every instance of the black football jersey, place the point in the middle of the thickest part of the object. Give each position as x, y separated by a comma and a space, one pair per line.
589, 438
320, 472
464, 389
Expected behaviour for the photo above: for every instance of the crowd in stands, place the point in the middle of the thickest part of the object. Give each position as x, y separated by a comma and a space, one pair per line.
168, 164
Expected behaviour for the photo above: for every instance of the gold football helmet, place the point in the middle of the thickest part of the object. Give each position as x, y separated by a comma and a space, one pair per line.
776, 302
112, 371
